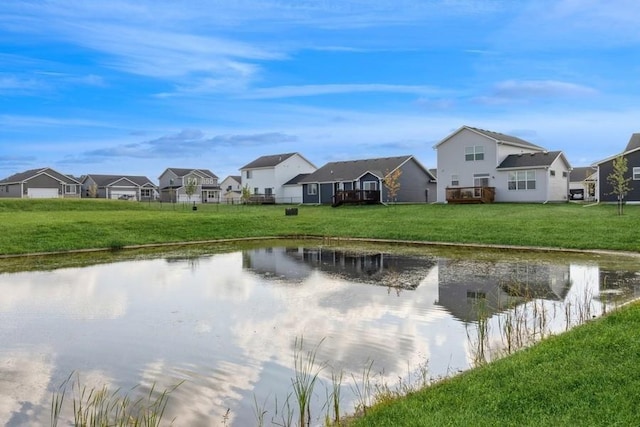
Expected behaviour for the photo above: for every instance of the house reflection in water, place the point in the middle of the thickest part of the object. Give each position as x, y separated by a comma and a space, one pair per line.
377, 268
467, 288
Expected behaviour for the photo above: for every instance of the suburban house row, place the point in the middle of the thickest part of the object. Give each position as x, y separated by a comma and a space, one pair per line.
473, 166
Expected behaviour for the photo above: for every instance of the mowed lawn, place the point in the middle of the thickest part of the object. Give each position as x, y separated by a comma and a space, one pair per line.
28, 226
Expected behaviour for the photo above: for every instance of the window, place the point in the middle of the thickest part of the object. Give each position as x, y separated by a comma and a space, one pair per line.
249, 174
481, 180
474, 153
552, 172
455, 180
636, 174
565, 174
256, 190
268, 191
312, 189
70, 189
522, 180
369, 185
145, 192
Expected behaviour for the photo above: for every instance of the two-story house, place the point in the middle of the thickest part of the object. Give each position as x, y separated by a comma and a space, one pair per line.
266, 177
231, 189
176, 184
474, 163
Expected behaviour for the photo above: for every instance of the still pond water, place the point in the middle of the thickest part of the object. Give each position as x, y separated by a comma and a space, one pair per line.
225, 324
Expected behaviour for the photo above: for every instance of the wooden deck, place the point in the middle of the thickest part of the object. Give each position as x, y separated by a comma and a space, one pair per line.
471, 195
355, 197
261, 199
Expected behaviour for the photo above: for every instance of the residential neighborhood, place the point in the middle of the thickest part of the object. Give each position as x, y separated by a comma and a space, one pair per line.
473, 165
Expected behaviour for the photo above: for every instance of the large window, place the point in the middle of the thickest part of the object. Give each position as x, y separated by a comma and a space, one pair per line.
522, 180
70, 189
474, 153
369, 185
636, 174
145, 193
312, 189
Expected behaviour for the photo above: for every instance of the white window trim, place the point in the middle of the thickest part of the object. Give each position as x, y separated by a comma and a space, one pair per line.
518, 178
636, 173
312, 189
475, 151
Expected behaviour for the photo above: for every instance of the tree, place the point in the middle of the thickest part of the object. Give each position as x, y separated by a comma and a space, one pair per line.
191, 186
392, 184
618, 181
246, 193
93, 190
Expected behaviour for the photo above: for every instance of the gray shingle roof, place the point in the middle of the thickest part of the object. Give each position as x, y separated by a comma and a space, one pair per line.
634, 142
501, 137
529, 160
268, 161
23, 176
579, 174
185, 172
296, 179
106, 180
353, 169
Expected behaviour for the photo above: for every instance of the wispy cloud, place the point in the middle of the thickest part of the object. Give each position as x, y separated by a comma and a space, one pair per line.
330, 89
528, 90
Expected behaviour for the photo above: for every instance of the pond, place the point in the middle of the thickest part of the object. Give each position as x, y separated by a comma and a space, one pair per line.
229, 327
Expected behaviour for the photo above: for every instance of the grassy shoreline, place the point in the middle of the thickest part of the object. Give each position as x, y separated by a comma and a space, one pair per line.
36, 226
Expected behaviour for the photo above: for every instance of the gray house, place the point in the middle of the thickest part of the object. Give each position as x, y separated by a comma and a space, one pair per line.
605, 168
473, 162
44, 183
363, 181
123, 187
174, 182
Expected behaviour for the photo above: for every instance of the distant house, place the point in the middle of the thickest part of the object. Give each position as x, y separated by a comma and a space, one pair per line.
231, 189
174, 182
44, 183
582, 183
266, 177
480, 165
363, 180
605, 168
123, 187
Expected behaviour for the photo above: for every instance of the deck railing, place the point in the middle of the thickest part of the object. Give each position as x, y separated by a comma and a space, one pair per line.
356, 196
471, 194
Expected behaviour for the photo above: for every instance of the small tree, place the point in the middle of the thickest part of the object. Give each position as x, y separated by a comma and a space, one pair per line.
93, 190
618, 181
392, 184
246, 193
191, 186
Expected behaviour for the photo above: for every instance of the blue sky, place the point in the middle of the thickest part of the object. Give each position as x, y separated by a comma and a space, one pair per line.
134, 87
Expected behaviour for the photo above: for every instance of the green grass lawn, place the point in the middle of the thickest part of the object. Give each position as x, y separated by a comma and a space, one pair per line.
28, 226
588, 376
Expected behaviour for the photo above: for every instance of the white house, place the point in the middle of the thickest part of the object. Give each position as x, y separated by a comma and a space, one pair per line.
515, 170
266, 177
231, 189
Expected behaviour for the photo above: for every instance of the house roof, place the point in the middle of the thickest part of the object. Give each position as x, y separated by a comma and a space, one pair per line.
529, 160
634, 142
185, 172
496, 136
268, 161
351, 170
296, 179
107, 180
26, 175
582, 173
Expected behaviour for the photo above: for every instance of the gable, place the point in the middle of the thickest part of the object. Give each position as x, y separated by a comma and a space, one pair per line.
530, 160
352, 170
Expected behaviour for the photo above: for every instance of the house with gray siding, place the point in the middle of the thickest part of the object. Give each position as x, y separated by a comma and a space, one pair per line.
123, 187
605, 168
516, 170
43, 183
417, 184
173, 184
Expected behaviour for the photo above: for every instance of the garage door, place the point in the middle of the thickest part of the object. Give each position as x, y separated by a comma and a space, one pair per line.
42, 193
